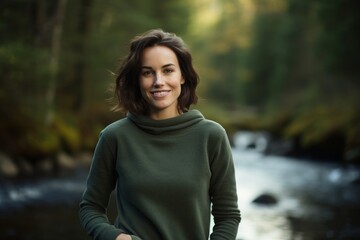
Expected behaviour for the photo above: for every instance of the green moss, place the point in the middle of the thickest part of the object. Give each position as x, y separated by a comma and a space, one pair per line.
317, 124
68, 132
39, 142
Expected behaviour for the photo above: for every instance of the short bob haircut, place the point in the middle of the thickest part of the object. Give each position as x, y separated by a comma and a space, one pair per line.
127, 89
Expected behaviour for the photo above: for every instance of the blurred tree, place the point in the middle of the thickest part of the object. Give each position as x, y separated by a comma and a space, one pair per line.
339, 22
29, 56
298, 56
224, 46
338, 49
55, 48
80, 48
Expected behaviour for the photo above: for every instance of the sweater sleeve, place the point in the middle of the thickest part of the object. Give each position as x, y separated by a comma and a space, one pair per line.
223, 190
101, 182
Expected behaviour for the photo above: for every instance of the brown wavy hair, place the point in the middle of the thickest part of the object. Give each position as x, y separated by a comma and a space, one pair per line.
127, 89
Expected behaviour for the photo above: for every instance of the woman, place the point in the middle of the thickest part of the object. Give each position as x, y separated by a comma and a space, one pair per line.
168, 163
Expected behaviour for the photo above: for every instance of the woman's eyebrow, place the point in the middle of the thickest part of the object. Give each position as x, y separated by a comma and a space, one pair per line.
165, 66
168, 65
147, 67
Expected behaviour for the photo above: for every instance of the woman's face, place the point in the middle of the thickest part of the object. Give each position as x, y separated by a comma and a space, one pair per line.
160, 81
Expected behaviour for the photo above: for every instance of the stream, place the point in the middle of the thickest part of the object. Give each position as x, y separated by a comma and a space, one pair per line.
314, 201
310, 200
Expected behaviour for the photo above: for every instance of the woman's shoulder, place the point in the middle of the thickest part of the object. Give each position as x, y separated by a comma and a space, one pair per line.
116, 127
212, 127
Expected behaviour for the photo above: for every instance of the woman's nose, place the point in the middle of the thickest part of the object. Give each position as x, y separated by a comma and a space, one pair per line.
159, 81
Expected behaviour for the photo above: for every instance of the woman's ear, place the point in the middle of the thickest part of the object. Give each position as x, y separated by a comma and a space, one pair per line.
182, 80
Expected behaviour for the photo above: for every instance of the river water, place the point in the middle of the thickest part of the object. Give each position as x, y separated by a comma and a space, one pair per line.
313, 201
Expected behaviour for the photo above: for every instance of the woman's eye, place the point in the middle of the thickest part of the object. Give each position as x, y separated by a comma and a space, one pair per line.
167, 71
146, 73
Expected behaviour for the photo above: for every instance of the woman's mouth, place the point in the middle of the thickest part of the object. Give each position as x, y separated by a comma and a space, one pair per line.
159, 94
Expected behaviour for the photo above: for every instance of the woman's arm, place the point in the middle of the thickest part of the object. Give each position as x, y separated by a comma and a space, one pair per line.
101, 182
223, 191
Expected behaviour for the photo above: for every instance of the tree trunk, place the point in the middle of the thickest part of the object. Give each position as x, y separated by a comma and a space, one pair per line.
79, 81
55, 46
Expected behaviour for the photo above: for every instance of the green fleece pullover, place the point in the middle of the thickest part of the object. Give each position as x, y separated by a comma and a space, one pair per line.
167, 173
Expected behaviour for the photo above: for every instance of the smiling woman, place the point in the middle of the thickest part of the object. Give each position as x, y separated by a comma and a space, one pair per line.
169, 164
134, 67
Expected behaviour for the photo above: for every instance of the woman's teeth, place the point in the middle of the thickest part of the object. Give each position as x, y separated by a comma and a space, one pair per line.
160, 93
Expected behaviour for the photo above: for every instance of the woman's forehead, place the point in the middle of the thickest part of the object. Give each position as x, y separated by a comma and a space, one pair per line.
158, 55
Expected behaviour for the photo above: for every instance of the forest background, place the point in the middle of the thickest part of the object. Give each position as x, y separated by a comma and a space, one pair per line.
287, 67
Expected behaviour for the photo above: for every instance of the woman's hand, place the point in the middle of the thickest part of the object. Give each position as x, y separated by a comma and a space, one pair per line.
123, 237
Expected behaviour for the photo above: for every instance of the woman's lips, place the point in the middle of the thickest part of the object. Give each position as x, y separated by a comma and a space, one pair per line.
159, 94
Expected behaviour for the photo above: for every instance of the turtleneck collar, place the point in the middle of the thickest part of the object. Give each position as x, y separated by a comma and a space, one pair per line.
157, 127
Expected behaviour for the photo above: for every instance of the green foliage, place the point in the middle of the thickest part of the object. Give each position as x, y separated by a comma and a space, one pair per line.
317, 124
338, 40
67, 131
23, 79
39, 142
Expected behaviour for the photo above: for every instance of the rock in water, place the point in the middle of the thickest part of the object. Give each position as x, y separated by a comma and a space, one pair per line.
7, 167
265, 199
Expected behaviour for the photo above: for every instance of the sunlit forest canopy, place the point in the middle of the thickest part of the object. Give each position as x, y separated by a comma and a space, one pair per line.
285, 66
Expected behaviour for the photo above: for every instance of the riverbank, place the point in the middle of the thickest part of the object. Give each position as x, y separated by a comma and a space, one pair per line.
318, 132
59, 164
